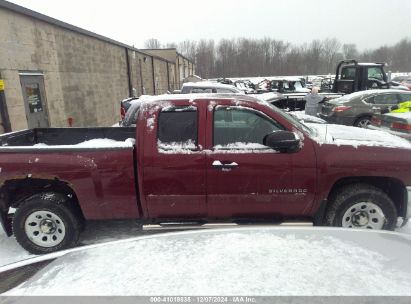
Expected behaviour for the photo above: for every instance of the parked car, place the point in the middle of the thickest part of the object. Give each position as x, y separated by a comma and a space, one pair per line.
209, 87
289, 85
395, 123
199, 160
228, 264
125, 105
356, 109
407, 82
246, 86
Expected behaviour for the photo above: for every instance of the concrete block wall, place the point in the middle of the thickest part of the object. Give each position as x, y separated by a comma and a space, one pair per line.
84, 78
160, 76
85, 75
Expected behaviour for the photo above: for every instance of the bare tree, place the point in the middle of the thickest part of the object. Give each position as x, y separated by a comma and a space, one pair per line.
349, 51
188, 49
331, 48
244, 57
152, 43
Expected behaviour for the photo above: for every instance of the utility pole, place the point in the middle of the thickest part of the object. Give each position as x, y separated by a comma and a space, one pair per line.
3, 108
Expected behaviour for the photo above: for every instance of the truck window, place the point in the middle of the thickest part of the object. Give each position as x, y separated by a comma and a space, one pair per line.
238, 125
375, 73
348, 73
177, 128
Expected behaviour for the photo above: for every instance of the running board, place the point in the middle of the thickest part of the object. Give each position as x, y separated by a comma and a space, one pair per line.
186, 226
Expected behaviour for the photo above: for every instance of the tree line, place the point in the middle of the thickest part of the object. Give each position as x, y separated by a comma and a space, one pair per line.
247, 57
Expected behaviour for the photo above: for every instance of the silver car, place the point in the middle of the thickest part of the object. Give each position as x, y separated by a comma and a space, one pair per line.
357, 109
251, 261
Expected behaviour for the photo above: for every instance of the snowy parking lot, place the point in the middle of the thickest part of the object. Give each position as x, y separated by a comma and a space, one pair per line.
96, 232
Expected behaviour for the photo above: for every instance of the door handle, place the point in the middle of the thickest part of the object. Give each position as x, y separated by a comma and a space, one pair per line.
224, 165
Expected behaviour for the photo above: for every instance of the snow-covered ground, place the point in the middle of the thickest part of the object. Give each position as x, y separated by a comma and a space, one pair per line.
96, 232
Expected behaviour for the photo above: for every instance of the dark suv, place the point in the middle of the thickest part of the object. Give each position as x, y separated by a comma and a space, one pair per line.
356, 109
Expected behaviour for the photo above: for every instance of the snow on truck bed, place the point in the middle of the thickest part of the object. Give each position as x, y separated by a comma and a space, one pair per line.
97, 143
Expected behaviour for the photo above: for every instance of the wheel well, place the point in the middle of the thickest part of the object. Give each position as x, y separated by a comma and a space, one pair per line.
394, 188
14, 192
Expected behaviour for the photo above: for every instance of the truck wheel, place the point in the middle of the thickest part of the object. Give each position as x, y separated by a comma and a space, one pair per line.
361, 206
45, 223
362, 122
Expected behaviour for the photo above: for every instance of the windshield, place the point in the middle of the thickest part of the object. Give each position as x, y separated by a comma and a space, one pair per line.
301, 126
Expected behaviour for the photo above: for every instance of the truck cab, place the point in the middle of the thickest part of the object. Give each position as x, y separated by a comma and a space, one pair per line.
352, 76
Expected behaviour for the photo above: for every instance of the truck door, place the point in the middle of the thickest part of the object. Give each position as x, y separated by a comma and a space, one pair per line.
247, 179
174, 163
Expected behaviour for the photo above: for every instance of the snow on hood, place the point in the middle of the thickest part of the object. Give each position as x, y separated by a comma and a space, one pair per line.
233, 262
300, 115
352, 136
267, 96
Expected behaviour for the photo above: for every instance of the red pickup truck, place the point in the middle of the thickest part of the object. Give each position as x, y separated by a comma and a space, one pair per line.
200, 159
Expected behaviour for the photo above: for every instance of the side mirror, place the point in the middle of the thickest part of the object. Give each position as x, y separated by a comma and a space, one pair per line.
283, 141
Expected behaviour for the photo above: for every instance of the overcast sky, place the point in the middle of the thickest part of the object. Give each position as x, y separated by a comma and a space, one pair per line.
368, 23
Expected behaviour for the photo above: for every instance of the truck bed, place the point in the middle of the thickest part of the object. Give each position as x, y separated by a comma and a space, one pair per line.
96, 164
63, 138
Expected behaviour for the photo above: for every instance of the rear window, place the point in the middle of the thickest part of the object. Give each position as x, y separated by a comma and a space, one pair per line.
348, 73
201, 90
177, 126
405, 97
386, 99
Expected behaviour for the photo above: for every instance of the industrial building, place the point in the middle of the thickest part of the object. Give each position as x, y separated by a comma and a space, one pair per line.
53, 74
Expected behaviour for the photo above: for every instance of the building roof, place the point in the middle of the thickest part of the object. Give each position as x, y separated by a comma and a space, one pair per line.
169, 49
33, 14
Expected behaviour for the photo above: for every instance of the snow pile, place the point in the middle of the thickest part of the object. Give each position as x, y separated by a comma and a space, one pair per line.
300, 115
235, 262
353, 136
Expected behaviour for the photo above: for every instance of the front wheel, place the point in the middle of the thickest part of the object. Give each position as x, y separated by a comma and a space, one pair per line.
46, 223
361, 206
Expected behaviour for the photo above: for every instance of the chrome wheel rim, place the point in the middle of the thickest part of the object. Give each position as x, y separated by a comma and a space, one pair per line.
45, 228
364, 215
363, 123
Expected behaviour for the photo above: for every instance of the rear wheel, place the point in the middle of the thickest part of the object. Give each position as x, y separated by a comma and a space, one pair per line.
361, 206
46, 223
363, 122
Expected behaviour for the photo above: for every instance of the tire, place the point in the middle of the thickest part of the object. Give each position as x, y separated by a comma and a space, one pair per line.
46, 223
347, 209
362, 122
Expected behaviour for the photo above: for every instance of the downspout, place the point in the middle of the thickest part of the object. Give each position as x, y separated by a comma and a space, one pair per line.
130, 84
177, 72
141, 77
3, 109
154, 79
168, 77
